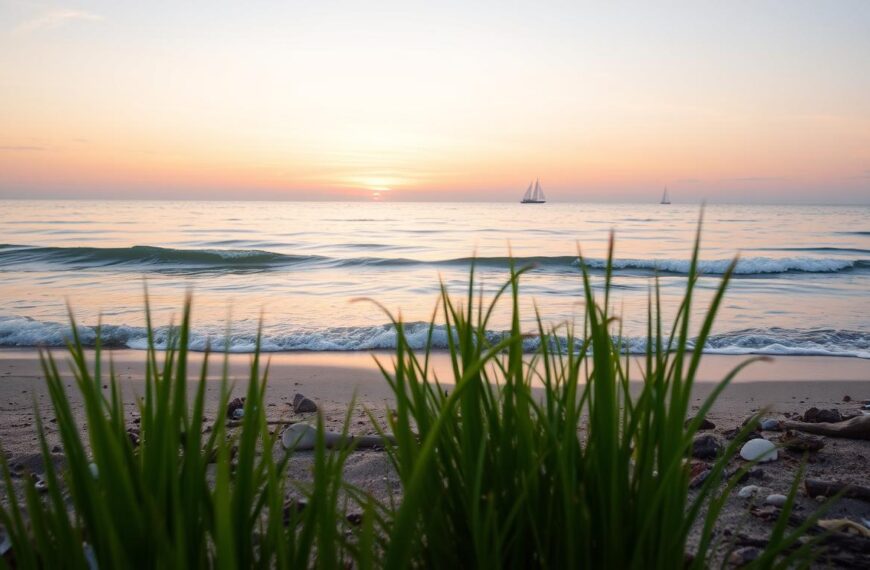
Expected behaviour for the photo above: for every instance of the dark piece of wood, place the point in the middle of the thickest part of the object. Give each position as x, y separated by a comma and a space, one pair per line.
817, 488
856, 428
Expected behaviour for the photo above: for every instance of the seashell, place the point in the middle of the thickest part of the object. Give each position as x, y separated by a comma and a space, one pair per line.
760, 449
776, 500
748, 491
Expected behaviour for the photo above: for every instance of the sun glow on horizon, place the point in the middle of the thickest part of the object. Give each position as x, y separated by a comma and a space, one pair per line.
600, 102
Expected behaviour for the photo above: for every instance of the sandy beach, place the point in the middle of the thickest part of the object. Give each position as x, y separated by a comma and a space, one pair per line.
786, 386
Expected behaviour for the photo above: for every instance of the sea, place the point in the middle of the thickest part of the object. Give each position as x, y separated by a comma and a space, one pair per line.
327, 276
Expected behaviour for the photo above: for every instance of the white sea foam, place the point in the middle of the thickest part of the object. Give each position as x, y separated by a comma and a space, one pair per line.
26, 332
745, 266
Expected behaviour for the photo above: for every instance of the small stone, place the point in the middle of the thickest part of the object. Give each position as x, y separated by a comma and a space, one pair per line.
757, 473
706, 446
743, 556
57, 449
40, 484
815, 415
302, 405
760, 449
847, 398
699, 479
769, 424
238, 413
704, 425
235, 404
748, 491
696, 468
134, 437
797, 441
776, 500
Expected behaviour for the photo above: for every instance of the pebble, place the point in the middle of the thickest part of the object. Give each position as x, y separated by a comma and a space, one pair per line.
302, 405
238, 413
776, 500
235, 404
706, 446
745, 555
40, 485
815, 415
748, 491
847, 398
760, 449
769, 424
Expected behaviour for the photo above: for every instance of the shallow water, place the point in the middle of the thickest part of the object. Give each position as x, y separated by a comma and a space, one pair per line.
801, 286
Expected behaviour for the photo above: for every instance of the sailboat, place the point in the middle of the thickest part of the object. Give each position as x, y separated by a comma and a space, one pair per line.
666, 199
534, 194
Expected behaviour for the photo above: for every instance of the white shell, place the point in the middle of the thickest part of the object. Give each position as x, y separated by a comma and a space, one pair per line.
299, 436
760, 449
748, 491
776, 500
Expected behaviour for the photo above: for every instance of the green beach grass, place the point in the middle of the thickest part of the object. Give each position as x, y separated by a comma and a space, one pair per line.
548, 461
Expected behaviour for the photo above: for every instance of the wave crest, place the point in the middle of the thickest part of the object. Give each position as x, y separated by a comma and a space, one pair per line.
27, 332
144, 258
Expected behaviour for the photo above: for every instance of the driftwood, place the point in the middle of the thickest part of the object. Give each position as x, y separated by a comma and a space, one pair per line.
302, 436
843, 549
818, 488
856, 428
237, 423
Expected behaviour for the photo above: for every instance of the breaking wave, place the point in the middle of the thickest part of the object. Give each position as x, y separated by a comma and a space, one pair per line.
27, 332
150, 258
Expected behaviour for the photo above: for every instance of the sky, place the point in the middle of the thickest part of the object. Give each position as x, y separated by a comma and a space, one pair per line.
757, 101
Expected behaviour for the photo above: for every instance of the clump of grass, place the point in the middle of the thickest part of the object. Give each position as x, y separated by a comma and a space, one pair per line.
554, 461
172, 494
558, 459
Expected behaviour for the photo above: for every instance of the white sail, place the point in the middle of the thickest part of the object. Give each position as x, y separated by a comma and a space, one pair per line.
528, 194
666, 199
534, 194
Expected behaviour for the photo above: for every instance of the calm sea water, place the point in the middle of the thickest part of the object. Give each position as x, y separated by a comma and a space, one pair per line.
802, 284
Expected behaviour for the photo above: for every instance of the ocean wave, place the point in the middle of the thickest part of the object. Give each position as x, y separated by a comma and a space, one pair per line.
745, 266
159, 258
28, 332
147, 255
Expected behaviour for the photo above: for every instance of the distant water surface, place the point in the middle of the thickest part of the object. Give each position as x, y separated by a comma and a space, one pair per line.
802, 285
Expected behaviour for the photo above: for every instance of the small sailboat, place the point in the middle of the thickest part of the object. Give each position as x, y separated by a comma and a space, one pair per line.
666, 199
534, 194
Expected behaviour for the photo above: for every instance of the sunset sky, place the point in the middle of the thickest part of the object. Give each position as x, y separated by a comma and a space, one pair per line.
725, 101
